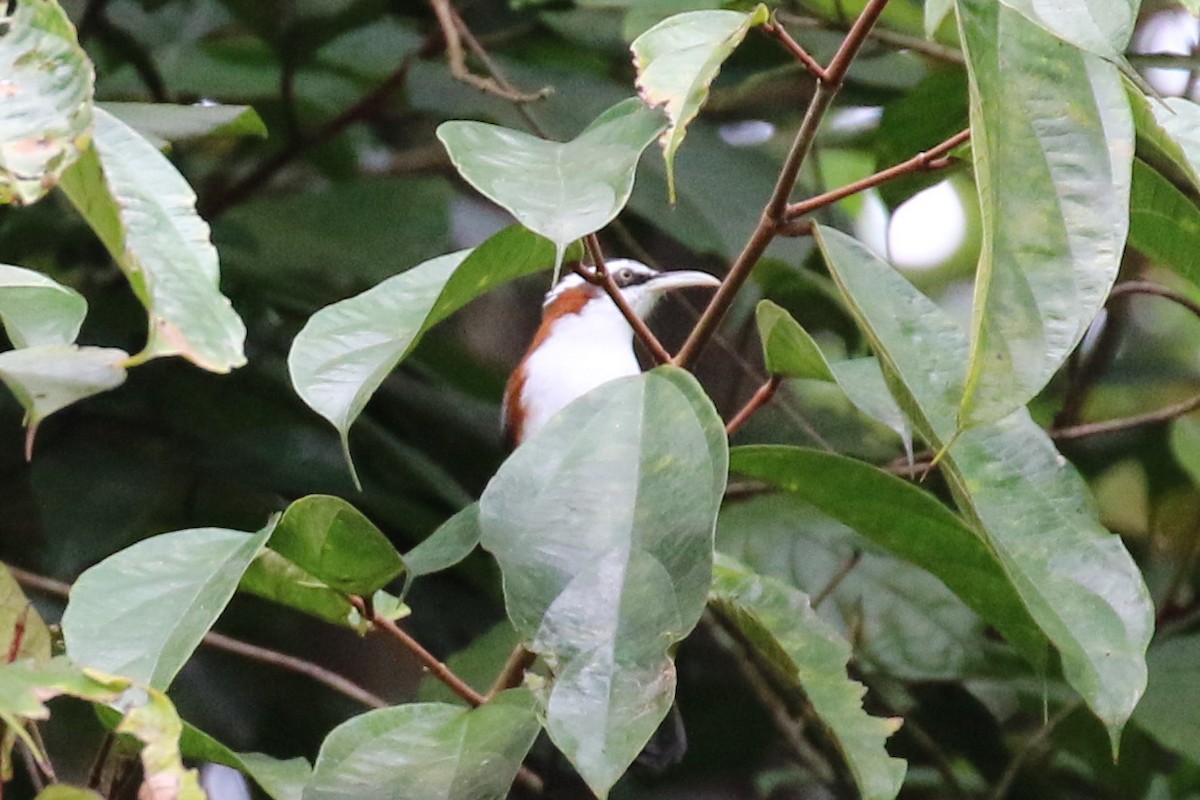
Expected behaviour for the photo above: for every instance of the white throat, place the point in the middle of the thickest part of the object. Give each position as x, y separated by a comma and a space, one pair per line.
582, 351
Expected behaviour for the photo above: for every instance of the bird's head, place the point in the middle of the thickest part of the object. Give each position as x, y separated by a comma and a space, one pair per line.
641, 285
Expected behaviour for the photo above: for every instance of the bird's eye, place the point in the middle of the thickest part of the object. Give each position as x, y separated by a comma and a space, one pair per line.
624, 276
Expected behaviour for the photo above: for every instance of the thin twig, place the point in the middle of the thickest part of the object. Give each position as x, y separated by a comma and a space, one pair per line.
458, 63
519, 660
1031, 747
931, 159
757, 401
427, 659
776, 30
774, 214
836, 579
230, 645
602, 278
885, 36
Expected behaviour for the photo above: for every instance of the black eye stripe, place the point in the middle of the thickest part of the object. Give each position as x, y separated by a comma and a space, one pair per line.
626, 277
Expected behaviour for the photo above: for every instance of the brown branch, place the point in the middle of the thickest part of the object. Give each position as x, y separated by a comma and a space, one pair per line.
452, 31
601, 277
891, 38
774, 214
363, 108
835, 580
757, 401
427, 659
519, 660
220, 641
932, 159
776, 30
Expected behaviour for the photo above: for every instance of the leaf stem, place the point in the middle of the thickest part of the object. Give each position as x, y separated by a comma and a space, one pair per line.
519, 660
774, 214
427, 659
776, 30
932, 159
757, 401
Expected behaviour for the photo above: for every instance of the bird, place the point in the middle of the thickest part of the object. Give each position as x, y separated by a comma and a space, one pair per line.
584, 341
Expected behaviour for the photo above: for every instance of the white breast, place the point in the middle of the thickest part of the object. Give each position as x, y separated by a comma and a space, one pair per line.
582, 351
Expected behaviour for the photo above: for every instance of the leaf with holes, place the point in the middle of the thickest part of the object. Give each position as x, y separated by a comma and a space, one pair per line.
1052, 142
45, 99
601, 583
145, 214
678, 59
561, 190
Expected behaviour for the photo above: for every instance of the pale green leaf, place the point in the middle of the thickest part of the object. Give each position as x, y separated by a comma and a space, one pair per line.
779, 622
1164, 223
427, 751
1166, 712
150, 716
49, 377
275, 578
561, 190
1031, 507
449, 544
45, 99
18, 618
164, 123
345, 350
602, 582
280, 779
1101, 27
1052, 141
38, 310
1168, 137
936, 12
678, 59
145, 214
143, 611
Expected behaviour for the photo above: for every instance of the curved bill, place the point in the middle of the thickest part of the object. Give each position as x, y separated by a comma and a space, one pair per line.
681, 279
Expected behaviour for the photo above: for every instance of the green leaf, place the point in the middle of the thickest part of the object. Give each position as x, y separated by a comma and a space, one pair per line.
602, 523
45, 99
1168, 137
345, 350
1052, 141
678, 59
145, 214
333, 541
61, 791
1164, 223
164, 123
449, 544
272, 577
151, 717
1101, 27
1166, 712
561, 190
38, 310
427, 751
49, 377
905, 520
781, 625
18, 617
143, 611
788, 350
280, 779
1185, 446
1028, 503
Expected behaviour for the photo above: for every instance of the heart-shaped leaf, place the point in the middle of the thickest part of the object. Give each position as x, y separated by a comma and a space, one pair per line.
678, 59
1028, 503
38, 310
1052, 141
45, 99
602, 523
143, 611
145, 214
427, 751
562, 190
345, 350
780, 623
